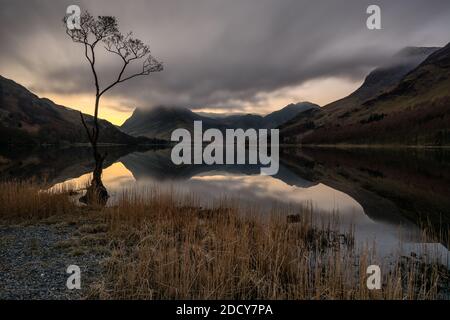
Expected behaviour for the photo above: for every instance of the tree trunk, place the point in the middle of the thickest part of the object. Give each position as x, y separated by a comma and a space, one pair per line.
96, 193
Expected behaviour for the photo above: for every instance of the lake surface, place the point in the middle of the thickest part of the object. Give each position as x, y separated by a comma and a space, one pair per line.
385, 195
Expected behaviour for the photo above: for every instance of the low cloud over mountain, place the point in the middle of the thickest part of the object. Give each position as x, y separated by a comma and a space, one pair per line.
218, 54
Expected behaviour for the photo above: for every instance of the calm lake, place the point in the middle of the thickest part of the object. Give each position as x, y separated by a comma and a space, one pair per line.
386, 195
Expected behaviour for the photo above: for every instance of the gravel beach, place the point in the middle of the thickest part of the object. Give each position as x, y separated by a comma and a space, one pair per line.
34, 260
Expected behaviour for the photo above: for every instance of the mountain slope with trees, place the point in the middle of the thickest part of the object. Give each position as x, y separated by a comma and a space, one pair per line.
401, 104
27, 119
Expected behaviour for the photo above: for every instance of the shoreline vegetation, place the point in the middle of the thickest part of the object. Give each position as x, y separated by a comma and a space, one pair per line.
156, 245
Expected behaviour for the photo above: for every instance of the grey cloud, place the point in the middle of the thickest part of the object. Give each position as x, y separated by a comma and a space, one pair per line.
218, 51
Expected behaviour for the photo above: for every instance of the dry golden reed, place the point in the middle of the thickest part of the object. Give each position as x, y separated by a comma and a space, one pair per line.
164, 245
167, 248
27, 200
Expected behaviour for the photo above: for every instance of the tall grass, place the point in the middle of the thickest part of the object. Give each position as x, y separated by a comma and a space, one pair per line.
165, 246
26, 200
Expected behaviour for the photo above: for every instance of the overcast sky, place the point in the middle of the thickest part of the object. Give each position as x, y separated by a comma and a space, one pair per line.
219, 55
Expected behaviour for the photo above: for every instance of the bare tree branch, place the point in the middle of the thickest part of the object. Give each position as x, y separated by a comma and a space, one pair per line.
104, 29
130, 49
85, 127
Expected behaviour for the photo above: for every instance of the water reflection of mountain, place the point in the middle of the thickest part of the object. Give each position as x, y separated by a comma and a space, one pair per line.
157, 164
298, 169
391, 186
52, 165
401, 187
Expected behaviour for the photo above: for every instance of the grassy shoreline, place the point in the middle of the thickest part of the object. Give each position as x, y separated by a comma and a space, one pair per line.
164, 246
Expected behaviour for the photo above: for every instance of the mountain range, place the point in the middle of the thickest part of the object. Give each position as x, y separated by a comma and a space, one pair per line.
159, 122
406, 101
27, 119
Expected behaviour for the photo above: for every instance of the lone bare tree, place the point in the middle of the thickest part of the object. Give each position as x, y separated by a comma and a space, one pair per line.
104, 30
